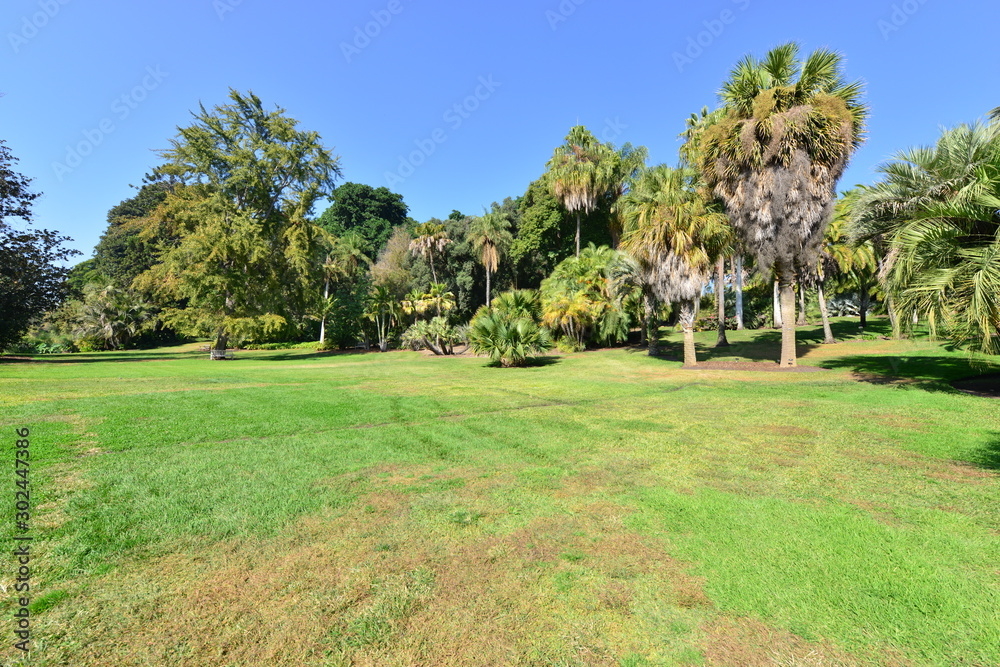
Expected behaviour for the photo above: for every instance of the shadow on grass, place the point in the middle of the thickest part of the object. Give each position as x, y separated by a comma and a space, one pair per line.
928, 373
84, 358
530, 362
989, 456
765, 346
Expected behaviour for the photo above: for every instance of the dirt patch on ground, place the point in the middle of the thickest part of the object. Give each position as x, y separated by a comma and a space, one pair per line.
987, 386
766, 366
749, 643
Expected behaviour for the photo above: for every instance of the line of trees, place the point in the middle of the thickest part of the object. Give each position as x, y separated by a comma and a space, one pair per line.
222, 239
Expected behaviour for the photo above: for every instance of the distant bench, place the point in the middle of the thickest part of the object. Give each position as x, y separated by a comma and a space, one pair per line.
220, 355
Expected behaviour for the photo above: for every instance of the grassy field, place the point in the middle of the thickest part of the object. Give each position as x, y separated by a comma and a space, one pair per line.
603, 508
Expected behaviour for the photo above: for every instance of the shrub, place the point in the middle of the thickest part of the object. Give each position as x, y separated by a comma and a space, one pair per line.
508, 339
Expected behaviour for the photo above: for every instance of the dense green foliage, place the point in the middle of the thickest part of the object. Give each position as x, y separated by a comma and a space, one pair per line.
372, 212
32, 280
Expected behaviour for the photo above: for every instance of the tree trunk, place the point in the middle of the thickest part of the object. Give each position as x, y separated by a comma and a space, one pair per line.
863, 307
890, 306
720, 301
801, 321
433, 272
221, 341
322, 322
652, 326
828, 338
577, 233
687, 323
786, 290
487, 288
777, 306
738, 274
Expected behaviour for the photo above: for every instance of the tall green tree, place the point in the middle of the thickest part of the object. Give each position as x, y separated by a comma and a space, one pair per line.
431, 240
248, 259
372, 212
32, 278
490, 237
580, 172
134, 237
675, 233
774, 159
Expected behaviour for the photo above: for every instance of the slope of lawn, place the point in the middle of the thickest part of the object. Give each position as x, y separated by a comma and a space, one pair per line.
603, 508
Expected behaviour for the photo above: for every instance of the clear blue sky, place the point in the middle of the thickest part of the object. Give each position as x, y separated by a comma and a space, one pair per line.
115, 79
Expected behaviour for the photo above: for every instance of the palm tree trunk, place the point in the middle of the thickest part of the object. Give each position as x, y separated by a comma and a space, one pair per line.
720, 301
863, 306
890, 305
828, 338
786, 290
322, 322
652, 326
777, 306
738, 272
801, 321
433, 273
687, 324
487, 288
577, 233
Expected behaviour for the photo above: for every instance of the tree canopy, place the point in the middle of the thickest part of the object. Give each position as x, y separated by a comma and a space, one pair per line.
372, 212
248, 257
32, 278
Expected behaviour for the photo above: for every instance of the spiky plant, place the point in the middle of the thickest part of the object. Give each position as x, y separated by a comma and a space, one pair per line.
775, 157
508, 333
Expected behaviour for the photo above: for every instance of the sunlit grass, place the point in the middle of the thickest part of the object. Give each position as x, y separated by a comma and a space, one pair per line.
296, 508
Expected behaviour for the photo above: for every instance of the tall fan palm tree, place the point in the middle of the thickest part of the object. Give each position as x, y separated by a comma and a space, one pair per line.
775, 158
579, 173
490, 237
675, 235
938, 210
431, 240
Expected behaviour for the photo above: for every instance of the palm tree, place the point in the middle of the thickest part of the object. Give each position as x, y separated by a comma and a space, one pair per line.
676, 235
346, 256
775, 157
382, 308
579, 173
437, 297
490, 237
431, 239
936, 210
112, 315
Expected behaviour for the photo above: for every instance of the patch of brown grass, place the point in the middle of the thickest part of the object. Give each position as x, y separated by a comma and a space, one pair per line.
379, 586
749, 643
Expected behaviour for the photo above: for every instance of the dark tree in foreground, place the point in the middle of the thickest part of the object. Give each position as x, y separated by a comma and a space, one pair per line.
31, 280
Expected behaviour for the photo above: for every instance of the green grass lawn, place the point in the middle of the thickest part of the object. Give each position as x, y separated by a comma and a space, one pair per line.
603, 508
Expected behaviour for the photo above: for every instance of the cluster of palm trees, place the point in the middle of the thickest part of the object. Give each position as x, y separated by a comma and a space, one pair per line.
934, 222
758, 179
